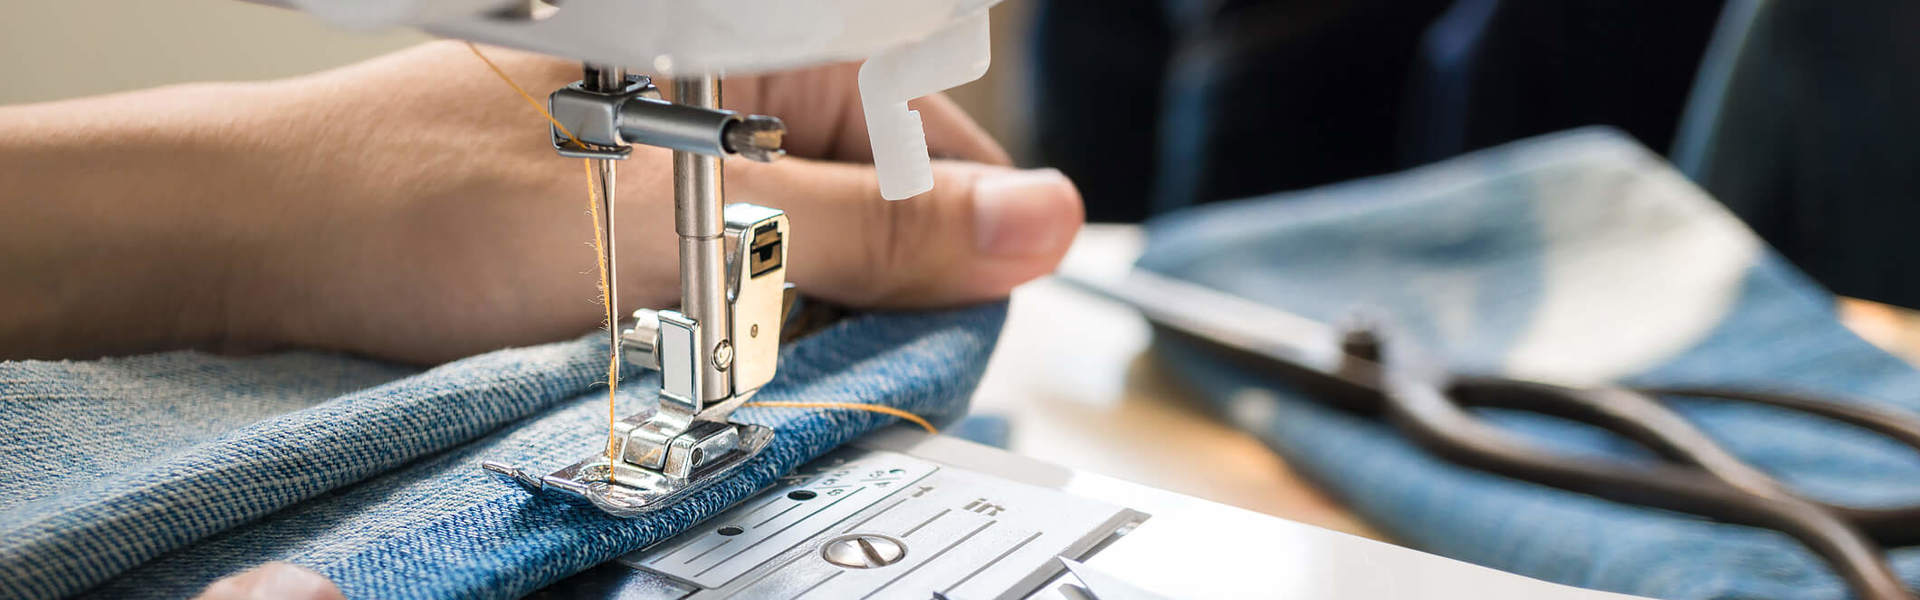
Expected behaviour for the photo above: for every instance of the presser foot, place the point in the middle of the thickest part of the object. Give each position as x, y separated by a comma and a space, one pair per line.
685, 443
708, 451
723, 344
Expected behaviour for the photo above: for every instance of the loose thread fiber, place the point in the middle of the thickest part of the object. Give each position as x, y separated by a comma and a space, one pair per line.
594, 194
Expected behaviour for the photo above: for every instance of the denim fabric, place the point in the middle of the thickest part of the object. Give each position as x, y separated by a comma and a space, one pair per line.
423, 521
1579, 258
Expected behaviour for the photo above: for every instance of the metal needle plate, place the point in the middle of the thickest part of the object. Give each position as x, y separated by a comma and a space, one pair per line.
871, 524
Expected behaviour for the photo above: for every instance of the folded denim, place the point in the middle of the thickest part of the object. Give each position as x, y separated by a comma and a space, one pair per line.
152, 476
1581, 258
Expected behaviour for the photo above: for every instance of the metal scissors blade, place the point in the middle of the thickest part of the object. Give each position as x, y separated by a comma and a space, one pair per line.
1699, 476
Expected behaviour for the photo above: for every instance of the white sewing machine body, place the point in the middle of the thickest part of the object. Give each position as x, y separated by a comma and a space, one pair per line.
912, 48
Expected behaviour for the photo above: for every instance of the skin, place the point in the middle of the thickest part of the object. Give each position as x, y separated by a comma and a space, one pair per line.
411, 208
273, 581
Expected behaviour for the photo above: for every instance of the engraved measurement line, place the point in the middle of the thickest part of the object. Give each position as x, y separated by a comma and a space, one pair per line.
678, 547
777, 515
929, 520
707, 551
763, 505
870, 517
817, 585
748, 586
695, 541
930, 559
776, 533
663, 556
769, 502
996, 559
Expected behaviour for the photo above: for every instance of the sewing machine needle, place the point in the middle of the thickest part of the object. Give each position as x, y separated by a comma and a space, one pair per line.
603, 171
608, 79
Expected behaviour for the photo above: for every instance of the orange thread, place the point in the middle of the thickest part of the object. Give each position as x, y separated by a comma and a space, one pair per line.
878, 408
599, 237
594, 194
523, 93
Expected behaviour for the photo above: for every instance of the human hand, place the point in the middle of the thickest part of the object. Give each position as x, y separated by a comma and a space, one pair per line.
411, 208
427, 218
273, 581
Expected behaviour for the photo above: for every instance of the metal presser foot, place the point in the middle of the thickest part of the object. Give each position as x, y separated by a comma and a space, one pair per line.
721, 345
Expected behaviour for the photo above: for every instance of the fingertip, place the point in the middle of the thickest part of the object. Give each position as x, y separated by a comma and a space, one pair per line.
1020, 214
981, 231
1024, 222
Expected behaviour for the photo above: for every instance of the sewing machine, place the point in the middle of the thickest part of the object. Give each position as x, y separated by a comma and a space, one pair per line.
721, 344
898, 514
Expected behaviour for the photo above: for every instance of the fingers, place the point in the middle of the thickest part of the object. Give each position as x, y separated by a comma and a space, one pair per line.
981, 231
273, 581
822, 109
952, 134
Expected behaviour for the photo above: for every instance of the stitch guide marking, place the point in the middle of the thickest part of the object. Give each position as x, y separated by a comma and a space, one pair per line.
860, 523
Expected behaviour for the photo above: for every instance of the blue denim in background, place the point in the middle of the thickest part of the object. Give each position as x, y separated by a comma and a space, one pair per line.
1577, 258
225, 463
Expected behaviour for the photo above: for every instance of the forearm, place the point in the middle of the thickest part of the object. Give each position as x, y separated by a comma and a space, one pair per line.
115, 229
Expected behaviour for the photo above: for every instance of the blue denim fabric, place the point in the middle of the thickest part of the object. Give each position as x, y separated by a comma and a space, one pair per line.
160, 499
1469, 258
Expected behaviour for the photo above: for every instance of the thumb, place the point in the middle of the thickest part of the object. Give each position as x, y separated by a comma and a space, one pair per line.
980, 232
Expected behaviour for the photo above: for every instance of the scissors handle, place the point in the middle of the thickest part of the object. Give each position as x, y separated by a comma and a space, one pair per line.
1698, 477
1702, 478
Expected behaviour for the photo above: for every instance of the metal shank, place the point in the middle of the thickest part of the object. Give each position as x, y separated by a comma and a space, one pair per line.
700, 225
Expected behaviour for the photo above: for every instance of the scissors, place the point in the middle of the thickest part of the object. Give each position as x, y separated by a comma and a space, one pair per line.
1356, 368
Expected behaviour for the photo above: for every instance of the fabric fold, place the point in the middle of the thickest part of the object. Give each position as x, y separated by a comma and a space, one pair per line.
126, 510
440, 527
1579, 257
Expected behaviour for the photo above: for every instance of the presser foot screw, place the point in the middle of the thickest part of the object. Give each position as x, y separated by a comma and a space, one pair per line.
723, 355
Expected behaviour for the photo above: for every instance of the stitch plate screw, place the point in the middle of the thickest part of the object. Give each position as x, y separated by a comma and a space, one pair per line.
863, 551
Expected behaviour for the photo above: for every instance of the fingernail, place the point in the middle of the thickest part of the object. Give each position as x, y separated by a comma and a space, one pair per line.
1015, 212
